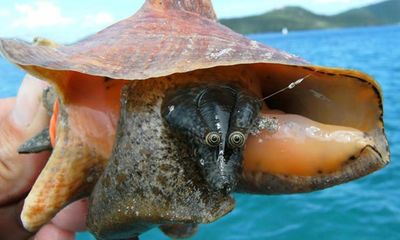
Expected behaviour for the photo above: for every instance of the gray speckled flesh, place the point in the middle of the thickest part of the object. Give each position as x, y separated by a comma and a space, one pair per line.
49, 96
151, 179
39, 143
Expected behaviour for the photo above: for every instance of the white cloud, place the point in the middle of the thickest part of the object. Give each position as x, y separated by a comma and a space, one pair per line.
4, 13
41, 13
100, 18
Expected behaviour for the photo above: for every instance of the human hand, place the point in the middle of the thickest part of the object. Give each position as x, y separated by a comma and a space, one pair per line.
20, 119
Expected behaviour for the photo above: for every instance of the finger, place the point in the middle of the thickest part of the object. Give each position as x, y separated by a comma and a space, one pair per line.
10, 223
73, 217
28, 102
52, 232
20, 119
6, 106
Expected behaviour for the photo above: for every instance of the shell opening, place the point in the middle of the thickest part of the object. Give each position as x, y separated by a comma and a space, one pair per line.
316, 129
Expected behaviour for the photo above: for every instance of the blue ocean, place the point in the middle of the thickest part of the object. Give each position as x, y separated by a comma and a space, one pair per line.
368, 208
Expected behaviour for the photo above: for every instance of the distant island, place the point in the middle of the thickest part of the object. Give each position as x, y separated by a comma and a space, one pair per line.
297, 18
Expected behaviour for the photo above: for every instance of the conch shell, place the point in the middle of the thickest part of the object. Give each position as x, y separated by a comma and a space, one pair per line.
166, 44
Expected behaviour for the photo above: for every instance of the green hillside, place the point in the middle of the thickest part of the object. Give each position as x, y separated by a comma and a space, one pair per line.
296, 18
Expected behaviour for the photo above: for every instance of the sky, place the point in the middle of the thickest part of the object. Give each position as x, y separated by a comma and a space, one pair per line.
66, 21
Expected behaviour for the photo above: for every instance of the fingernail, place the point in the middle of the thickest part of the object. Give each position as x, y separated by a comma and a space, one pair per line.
28, 101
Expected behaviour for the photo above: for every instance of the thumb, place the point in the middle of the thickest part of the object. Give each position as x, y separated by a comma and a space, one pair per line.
28, 112
20, 120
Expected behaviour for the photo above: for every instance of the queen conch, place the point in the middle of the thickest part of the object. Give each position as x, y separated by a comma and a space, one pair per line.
159, 117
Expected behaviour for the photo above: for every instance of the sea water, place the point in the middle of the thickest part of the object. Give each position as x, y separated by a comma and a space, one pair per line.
368, 208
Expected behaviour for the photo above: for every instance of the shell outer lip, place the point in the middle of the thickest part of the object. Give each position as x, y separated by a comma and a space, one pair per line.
370, 160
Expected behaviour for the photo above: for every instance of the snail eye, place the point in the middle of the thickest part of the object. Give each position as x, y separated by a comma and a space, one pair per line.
236, 139
213, 139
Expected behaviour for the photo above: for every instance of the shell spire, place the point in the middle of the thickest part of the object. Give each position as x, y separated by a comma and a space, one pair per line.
203, 8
